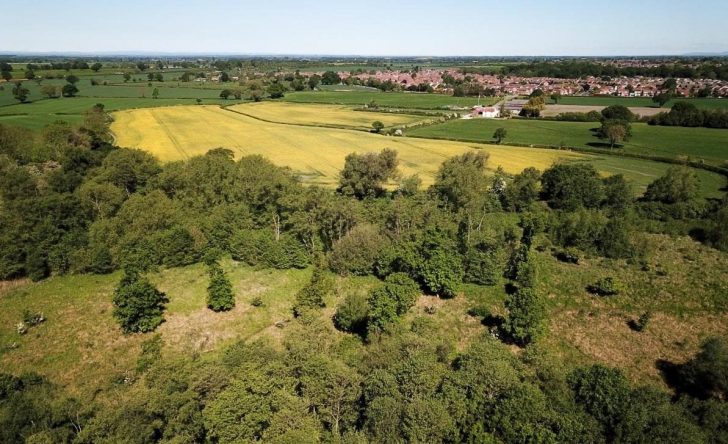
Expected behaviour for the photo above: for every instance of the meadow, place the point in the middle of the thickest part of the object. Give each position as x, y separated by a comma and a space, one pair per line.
387, 99
321, 115
708, 144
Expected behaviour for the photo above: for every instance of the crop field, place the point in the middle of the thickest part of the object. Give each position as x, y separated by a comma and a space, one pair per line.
321, 115
388, 99
316, 153
708, 144
640, 102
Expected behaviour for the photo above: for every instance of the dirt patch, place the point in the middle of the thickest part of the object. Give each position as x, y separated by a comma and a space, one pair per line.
202, 329
606, 337
553, 110
7, 286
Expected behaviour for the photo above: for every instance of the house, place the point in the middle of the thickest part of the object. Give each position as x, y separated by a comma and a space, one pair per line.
486, 112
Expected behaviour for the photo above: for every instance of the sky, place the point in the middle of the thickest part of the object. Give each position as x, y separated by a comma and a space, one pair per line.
367, 27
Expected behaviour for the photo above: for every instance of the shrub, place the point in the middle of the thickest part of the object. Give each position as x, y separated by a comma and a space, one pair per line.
220, 295
257, 301
679, 184
351, 315
607, 286
356, 252
482, 264
312, 295
259, 247
442, 272
138, 305
568, 255
526, 318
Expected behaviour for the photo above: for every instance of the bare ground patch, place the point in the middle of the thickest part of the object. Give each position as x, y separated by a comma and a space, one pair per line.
605, 337
553, 110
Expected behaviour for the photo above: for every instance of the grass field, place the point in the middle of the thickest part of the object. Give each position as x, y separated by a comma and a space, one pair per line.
639, 101
36, 115
389, 99
321, 115
708, 144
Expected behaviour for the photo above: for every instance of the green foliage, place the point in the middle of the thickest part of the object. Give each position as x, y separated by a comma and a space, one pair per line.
500, 134
220, 296
482, 264
526, 319
389, 302
460, 182
570, 186
313, 294
618, 112
138, 305
151, 353
706, 375
69, 90
679, 184
356, 252
603, 392
377, 126
259, 247
607, 286
364, 175
441, 272
352, 314
523, 191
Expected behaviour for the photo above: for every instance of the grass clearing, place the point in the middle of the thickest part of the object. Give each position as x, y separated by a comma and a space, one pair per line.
316, 154
322, 115
81, 347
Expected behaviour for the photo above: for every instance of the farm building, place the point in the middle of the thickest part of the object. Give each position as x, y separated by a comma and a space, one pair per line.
487, 112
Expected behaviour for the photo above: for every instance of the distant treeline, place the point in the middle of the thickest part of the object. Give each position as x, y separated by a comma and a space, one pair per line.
687, 114
576, 69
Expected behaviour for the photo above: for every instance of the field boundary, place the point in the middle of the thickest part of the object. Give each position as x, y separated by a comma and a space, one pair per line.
692, 163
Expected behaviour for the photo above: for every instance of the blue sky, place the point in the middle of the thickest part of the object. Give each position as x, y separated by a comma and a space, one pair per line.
368, 27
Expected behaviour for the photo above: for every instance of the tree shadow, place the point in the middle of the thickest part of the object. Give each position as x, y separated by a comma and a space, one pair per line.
671, 374
604, 145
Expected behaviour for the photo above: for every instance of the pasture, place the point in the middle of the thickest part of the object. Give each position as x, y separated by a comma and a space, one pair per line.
387, 99
708, 144
321, 115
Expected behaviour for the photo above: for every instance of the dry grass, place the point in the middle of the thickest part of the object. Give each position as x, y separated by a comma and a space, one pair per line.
321, 115
317, 154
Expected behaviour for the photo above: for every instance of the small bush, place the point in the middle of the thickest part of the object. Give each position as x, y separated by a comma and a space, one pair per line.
220, 296
640, 324
568, 255
608, 286
33, 319
257, 301
351, 315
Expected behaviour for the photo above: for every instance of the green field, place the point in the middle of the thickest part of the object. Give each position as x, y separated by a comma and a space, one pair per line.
708, 144
639, 101
389, 99
36, 115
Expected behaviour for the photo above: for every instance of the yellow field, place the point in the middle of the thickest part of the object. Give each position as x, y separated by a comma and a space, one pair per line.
322, 115
317, 154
